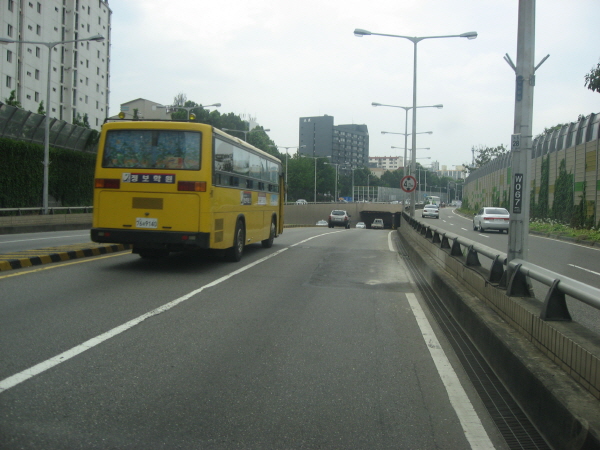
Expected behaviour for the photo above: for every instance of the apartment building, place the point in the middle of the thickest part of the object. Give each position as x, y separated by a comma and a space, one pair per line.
347, 145
386, 162
79, 71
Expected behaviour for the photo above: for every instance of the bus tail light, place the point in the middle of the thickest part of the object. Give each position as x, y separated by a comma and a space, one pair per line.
107, 183
194, 186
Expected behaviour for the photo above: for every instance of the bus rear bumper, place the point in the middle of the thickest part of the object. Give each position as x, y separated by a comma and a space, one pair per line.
164, 240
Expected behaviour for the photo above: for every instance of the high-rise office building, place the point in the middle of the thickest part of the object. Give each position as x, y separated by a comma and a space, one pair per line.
347, 145
79, 71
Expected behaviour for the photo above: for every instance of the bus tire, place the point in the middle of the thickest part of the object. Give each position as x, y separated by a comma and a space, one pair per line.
268, 243
234, 254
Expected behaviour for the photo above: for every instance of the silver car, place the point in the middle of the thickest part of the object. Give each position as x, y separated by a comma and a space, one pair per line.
431, 211
491, 218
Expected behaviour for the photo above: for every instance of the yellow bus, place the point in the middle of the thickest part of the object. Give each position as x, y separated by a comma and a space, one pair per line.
165, 186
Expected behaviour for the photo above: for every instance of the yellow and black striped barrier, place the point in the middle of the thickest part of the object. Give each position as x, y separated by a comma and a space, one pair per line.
28, 258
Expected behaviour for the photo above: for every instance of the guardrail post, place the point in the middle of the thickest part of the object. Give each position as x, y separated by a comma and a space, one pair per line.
472, 258
555, 305
444, 243
518, 286
436, 238
456, 250
428, 233
497, 270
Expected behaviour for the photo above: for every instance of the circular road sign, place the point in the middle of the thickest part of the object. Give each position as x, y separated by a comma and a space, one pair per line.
408, 183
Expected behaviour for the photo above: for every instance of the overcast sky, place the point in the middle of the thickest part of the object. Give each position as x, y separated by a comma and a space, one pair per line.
279, 60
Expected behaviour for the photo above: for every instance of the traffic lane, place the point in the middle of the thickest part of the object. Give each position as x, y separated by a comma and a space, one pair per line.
11, 243
47, 310
291, 353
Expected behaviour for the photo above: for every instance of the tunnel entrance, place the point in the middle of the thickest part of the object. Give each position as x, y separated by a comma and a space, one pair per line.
388, 218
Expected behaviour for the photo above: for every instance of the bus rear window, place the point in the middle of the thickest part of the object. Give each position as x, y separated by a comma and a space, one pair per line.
152, 149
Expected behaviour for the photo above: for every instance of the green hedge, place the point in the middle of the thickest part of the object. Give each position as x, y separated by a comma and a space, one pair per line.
71, 175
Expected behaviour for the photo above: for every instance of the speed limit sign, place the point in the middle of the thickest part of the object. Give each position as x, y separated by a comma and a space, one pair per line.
408, 183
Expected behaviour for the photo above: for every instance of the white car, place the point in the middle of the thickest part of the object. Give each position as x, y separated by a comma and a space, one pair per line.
361, 225
322, 223
377, 224
301, 201
431, 211
491, 218
339, 218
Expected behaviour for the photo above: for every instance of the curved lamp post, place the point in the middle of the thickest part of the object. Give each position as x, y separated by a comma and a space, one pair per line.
415, 40
49, 45
406, 108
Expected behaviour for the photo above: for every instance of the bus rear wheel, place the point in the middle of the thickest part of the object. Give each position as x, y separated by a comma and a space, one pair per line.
234, 254
268, 243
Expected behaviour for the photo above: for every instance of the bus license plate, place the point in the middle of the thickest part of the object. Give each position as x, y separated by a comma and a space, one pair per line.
144, 222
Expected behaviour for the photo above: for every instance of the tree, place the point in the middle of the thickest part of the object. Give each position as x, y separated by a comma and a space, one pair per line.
81, 122
41, 109
12, 100
484, 156
592, 79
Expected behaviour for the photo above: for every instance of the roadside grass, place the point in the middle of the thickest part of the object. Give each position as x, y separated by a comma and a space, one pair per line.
552, 228
558, 229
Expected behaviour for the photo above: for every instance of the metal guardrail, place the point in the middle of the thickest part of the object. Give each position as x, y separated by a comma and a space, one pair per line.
51, 210
514, 276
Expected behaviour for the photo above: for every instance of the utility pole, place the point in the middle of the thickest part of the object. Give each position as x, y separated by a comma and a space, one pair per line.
522, 138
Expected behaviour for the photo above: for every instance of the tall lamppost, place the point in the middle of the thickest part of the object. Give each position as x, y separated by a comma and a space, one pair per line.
420, 148
245, 131
411, 169
287, 156
188, 108
49, 45
337, 166
415, 40
352, 169
315, 158
406, 108
419, 183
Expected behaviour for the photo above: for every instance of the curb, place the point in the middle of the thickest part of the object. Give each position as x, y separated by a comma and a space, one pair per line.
49, 255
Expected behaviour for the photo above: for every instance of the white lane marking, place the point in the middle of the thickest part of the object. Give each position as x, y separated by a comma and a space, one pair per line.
472, 427
566, 242
583, 268
26, 374
390, 243
18, 378
43, 239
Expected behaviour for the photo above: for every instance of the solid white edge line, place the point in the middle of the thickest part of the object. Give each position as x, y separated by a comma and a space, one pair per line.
472, 427
584, 269
390, 243
18, 378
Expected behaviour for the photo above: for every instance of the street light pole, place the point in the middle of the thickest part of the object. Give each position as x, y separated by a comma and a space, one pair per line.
406, 108
521, 141
415, 40
287, 156
49, 46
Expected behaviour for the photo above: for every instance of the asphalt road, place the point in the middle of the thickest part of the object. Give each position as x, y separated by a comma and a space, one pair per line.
12, 243
318, 342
